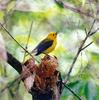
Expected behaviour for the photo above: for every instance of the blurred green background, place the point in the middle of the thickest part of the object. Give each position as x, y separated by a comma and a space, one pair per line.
47, 16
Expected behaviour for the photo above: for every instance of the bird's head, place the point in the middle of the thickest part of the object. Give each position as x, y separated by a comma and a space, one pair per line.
52, 35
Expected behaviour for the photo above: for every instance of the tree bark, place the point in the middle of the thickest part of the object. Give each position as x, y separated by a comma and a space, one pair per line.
14, 63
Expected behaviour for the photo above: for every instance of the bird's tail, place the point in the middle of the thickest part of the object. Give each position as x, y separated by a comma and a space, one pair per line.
34, 51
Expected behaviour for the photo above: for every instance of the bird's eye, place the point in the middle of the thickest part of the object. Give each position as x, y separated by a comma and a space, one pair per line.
53, 34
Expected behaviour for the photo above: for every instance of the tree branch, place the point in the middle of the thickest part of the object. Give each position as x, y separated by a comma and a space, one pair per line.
14, 63
92, 33
86, 46
74, 9
79, 51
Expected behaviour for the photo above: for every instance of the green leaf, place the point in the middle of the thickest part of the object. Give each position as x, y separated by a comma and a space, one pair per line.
90, 91
95, 57
1, 15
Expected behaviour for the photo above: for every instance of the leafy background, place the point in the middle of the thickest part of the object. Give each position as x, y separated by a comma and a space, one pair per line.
49, 16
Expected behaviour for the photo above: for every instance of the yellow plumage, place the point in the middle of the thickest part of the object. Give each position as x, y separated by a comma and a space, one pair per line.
47, 45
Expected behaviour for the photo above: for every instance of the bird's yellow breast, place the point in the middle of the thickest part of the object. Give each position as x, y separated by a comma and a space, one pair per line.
51, 48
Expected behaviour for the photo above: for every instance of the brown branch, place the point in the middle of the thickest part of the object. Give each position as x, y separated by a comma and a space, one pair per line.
79, 51
74, 9
14, 63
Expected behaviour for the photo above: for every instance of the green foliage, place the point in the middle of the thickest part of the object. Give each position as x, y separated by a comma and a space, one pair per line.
90, 91
1, 15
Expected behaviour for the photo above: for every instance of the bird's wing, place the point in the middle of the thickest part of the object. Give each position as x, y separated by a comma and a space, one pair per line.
45, 44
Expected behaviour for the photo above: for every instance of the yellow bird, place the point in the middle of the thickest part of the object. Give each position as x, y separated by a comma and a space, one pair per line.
47, 45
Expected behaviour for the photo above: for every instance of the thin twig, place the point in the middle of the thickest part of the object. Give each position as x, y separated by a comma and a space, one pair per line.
92, 33
86, 31
17, 42
11, 84
28, 39
91, 26
75, 94
87, 45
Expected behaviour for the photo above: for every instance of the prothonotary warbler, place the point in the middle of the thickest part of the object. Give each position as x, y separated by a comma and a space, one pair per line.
47, 45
